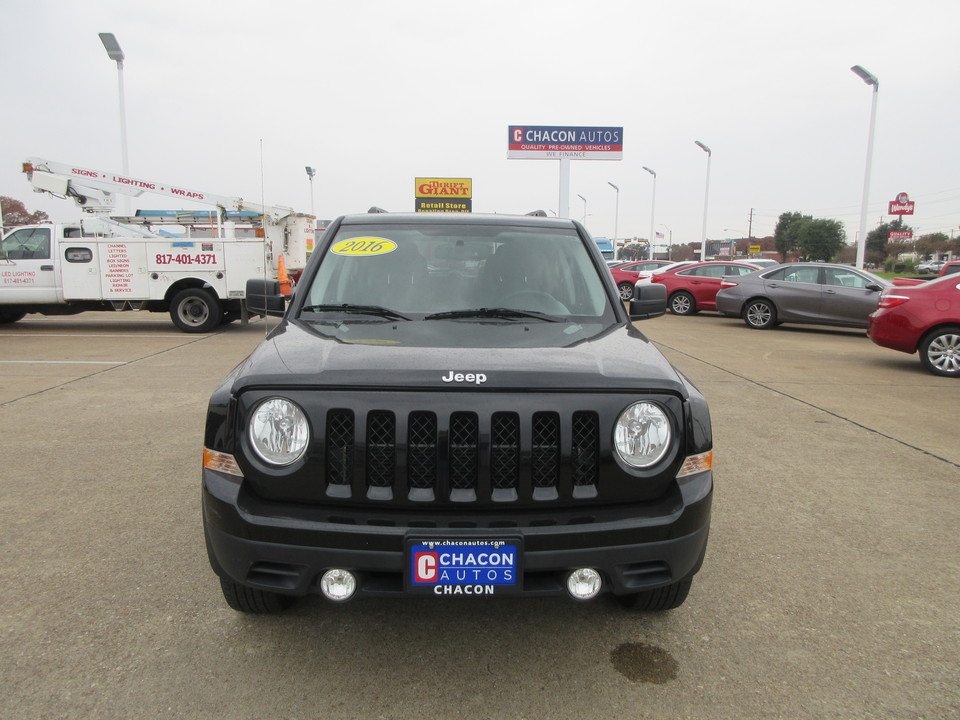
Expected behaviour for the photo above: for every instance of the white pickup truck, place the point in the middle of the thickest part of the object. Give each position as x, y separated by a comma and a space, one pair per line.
64, 269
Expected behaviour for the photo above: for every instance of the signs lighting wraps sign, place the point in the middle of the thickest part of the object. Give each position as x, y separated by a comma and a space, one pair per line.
443, 194
558, 142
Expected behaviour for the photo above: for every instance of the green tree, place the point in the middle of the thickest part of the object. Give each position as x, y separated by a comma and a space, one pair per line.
785, 235
933, 243
15, 213
819, 239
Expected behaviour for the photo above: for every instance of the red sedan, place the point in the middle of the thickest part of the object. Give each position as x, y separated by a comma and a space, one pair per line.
694, 288
925, 319
626, 275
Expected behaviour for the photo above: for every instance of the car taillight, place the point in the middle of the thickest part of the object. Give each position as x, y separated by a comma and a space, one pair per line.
656, 278
727, 283
890, 301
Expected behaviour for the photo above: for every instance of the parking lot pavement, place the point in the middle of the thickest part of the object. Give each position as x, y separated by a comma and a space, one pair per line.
829, 588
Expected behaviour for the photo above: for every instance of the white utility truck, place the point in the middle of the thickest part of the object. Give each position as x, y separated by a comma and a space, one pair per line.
197, 271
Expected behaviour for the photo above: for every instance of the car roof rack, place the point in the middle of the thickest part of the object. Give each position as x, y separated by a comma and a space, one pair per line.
375, 209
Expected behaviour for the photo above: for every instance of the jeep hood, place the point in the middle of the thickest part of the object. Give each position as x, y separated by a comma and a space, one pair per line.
455, 356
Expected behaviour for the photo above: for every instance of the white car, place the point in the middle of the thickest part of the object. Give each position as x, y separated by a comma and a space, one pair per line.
931, 266
644, 277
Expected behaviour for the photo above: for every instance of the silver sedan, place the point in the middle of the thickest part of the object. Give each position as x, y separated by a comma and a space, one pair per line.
816, 293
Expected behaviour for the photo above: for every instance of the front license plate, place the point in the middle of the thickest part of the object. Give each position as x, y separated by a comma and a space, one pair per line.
464, 567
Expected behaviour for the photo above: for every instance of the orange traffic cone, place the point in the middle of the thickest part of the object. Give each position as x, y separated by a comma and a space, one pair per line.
282, 277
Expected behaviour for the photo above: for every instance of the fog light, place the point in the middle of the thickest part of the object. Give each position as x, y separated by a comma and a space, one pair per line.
584, 584
338, 585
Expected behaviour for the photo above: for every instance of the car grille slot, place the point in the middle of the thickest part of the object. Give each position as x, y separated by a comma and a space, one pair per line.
422, 450
464, 451
586, 448
381, 449
340, 429
505, 451
545, 458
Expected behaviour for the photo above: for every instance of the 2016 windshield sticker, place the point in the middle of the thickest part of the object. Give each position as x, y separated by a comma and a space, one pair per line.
364, 247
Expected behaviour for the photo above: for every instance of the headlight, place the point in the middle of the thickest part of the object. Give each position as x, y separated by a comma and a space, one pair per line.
279, 432
642, 434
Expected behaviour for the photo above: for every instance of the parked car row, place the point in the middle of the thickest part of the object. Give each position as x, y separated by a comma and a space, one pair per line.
922, 318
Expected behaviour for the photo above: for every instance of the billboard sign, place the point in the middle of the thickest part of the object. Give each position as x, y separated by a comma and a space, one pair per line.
903, 205
900, 235
565, 142
443, 194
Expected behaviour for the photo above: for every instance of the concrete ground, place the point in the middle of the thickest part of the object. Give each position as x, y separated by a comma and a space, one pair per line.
829, 589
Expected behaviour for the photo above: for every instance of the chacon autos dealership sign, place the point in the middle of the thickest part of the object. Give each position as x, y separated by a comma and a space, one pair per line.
559, 142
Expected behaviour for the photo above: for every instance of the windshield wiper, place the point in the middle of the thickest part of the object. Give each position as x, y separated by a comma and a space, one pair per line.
500, 313
361, 309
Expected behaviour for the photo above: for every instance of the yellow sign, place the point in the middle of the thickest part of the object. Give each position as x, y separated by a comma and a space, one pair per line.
451, 188
364, 247
754, 249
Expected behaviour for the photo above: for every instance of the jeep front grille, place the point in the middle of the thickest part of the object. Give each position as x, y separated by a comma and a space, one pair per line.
461, 456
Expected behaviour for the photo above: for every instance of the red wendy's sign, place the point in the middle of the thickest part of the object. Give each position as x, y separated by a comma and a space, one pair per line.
903, 205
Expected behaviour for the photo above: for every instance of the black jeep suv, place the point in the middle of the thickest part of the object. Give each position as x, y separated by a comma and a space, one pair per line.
456, 404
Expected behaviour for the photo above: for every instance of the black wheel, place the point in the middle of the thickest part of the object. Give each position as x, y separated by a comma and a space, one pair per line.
249, 600
626, 291
664, 598
760, 314
196, 310
940, 351
682, 303
7, 318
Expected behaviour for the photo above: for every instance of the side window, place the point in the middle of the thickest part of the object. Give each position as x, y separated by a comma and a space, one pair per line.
78, 255
802, 275
692, 272
714, 271
844, 278
27, 244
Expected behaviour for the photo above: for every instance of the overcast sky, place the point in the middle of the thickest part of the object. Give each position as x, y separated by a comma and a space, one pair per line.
236, 98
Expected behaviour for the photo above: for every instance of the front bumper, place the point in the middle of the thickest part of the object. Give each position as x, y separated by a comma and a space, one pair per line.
284, 548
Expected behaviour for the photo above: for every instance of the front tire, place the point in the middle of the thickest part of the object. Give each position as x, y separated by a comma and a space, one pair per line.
940, 352
195, 310
664, 598
760, 314
250, 600
8, 318
626, 291
682, 303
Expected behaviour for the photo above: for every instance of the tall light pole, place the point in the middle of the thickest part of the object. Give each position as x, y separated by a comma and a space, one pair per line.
114, 52
616, 216
706, 197
653, 205
584, 220
310, 173
870, 79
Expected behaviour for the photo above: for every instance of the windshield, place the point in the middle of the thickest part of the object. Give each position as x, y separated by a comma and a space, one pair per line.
458, 272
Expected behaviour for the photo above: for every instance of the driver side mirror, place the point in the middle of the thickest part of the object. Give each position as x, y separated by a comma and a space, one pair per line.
874, 287
649, 301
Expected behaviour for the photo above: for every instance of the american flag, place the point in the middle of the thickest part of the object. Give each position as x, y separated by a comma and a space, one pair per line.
659, 235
